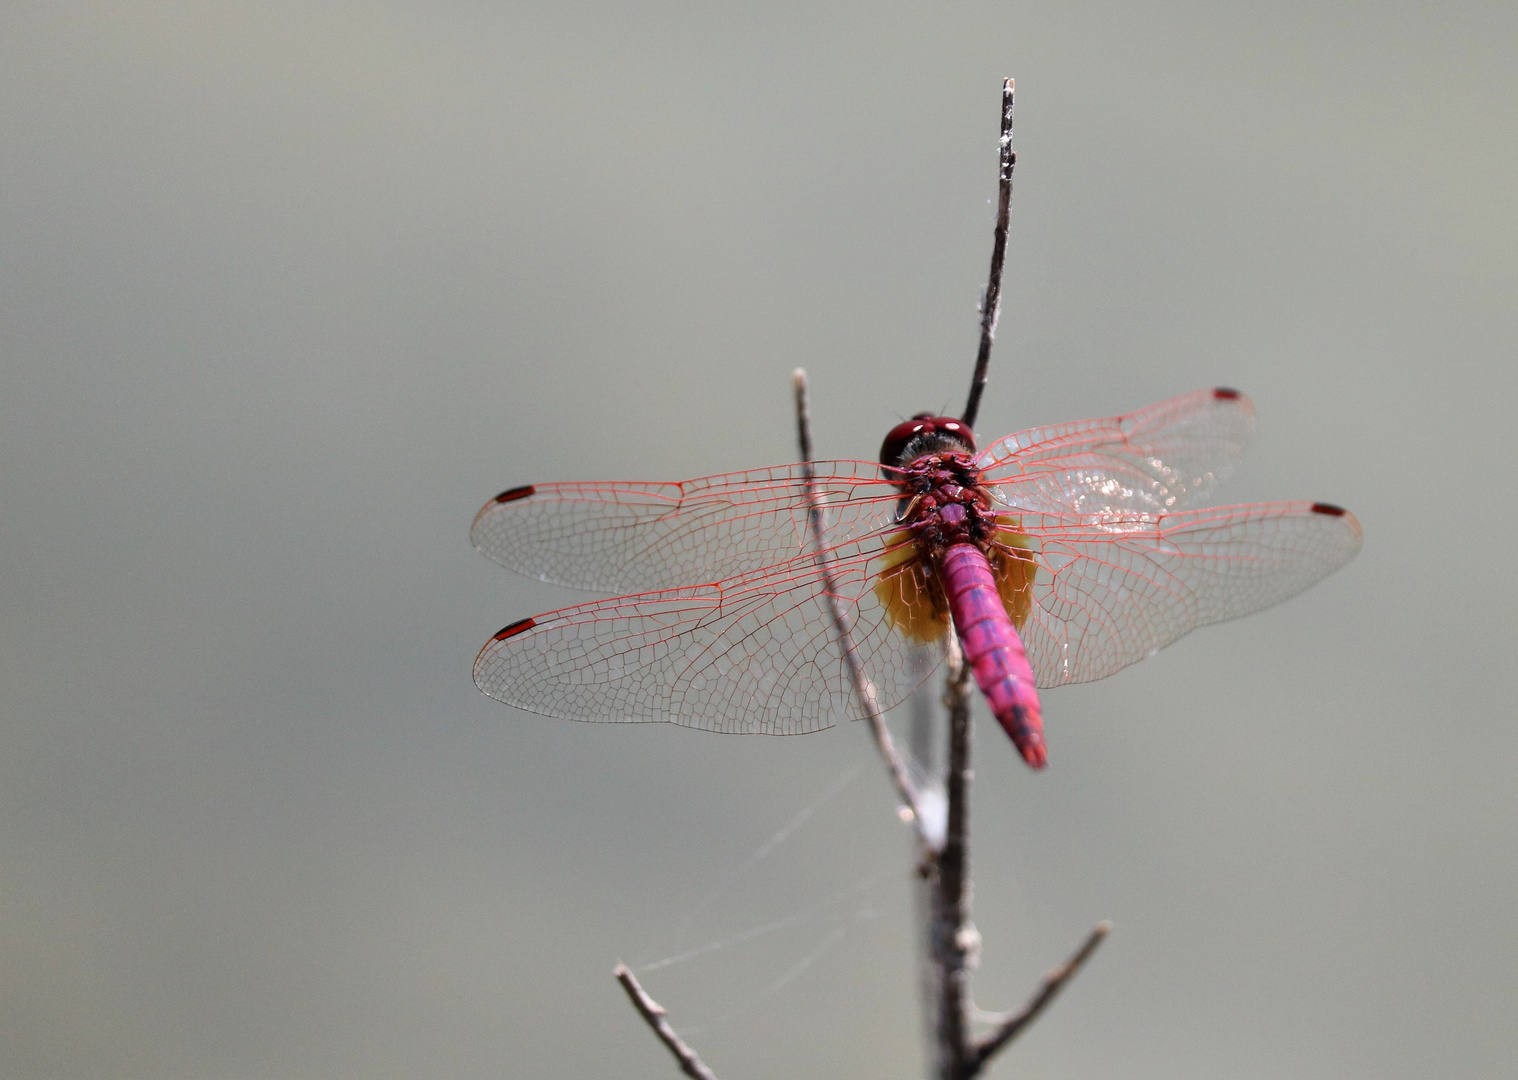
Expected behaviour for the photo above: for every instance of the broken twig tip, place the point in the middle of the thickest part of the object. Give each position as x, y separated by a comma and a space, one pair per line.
654, 1016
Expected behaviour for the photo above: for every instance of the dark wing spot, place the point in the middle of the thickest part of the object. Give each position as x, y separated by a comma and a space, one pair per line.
515, 628
1226, 393
1328, 508
515, 493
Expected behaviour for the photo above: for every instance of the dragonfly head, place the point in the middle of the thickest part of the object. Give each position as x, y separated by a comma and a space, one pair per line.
925, 434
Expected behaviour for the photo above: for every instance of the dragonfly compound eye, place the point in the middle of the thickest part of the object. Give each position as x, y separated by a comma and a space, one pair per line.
924, 434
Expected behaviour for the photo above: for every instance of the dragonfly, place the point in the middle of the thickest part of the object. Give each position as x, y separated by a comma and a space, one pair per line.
1058, 555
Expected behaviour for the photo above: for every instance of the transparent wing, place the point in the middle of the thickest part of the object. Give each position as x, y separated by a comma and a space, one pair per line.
755, 655
1110, 591
1149, 462
632, 536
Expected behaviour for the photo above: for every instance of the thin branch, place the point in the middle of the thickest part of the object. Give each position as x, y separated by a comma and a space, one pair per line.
863, 687
922, 743
804, 424
1014, 1025
991, 304
653, 1013
954, 937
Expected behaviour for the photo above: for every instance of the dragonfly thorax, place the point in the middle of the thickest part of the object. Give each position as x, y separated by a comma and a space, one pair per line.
943, 502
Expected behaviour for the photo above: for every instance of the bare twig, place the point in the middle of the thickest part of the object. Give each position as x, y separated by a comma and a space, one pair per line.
863, 687
955, 940
1014, 1025
804, 426
991, 304
922, 743
653, 1013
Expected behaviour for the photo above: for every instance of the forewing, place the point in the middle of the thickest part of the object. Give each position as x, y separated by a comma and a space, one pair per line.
754, 655
1109, 592
617, 536
1149, 462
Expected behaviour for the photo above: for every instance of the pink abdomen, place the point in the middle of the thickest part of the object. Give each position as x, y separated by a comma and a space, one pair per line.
993, 649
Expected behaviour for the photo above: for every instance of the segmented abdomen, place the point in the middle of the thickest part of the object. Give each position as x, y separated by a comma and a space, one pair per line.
993, 649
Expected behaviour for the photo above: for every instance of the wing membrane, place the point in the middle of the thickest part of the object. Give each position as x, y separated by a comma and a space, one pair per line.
1150, 462
634, 537
1111, 592
755, 655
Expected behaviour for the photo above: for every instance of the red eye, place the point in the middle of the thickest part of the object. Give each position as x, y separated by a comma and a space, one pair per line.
898, 437
947, 425
902, 434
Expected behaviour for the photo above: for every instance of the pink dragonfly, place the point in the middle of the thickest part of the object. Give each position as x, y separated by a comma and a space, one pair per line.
1060, 555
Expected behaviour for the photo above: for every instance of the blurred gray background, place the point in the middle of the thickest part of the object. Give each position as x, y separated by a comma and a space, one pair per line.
288, 290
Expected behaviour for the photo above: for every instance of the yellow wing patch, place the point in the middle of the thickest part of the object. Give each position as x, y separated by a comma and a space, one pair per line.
914, 598
1012, 565
910, 592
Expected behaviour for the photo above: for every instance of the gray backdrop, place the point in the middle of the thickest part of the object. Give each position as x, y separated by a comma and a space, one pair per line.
290, 289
